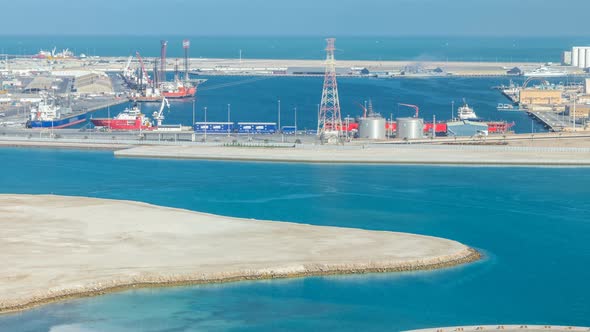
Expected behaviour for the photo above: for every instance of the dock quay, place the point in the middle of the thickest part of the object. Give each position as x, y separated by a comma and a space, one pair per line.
551, 120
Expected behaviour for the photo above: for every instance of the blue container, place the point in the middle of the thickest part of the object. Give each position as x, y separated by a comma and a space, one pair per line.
213, 127
288, 130
257, 127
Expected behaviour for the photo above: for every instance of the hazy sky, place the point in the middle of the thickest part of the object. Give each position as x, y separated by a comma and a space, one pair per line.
297, 17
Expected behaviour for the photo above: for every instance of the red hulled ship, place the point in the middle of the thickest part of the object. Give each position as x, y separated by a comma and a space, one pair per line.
129, 119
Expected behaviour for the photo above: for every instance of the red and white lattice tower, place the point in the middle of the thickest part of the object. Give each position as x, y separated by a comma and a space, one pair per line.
329, 119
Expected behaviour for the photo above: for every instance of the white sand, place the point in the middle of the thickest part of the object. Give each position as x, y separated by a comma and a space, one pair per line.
54, 247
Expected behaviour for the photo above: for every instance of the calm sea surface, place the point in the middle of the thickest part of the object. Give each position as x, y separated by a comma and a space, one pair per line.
349, 48
531, 223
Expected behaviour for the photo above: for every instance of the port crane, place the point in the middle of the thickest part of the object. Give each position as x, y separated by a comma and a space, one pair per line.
158, 115
416, 108
143, 71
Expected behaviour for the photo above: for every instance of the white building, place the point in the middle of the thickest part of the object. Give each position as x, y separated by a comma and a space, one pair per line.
581, 56
566, 58
587, 84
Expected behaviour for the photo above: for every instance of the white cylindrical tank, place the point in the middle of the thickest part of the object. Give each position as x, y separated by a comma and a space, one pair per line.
587, 64
575, 56
410, 128
372, 127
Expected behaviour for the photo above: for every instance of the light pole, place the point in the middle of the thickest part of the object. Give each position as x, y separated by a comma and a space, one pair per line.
205, 109
228, 118
295, 110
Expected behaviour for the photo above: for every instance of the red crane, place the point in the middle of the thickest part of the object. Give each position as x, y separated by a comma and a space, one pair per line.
411, 106
143, 71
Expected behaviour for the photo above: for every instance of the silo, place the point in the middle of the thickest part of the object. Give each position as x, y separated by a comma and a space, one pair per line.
372, 127
587, 57
582, 57
575, 56
410, 128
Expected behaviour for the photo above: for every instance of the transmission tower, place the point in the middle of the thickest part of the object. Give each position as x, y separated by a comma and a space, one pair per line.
329, 119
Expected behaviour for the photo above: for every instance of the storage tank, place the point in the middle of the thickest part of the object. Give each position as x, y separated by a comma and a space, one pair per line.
372, 127
582, 57
575, 56
587, 58
410, 128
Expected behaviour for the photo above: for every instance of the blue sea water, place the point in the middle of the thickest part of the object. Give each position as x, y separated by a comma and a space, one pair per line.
531, 223
501, 49
255, 99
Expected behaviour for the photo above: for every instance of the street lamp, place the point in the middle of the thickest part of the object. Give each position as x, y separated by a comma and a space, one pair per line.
295, 110
228, 118
205, 109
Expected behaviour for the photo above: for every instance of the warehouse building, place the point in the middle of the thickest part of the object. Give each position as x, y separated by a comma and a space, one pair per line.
540, 97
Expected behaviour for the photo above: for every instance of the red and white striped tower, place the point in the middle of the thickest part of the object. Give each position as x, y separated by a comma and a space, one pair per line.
186, 44
329, 119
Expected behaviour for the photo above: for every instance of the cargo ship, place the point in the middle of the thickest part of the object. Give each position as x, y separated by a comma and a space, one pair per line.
48, 115
129, 119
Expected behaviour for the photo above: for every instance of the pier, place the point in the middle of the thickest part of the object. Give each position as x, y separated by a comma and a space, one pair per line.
553, 121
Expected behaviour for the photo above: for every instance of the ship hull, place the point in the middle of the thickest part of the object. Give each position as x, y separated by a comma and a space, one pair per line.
57, 124
181, 93
123, 125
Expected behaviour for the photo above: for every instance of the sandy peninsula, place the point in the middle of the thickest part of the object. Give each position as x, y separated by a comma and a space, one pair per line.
56, 247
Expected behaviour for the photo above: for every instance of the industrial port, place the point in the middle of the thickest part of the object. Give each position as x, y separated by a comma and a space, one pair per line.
50, 97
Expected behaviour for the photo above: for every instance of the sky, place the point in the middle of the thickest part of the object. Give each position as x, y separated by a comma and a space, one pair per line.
296, 17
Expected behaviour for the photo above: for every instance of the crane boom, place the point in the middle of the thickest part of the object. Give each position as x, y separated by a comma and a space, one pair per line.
144, 72
411, 106
159, 116
363, 108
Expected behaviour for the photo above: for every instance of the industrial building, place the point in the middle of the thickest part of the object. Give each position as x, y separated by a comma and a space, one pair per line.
581, 56
540, 97
92, 84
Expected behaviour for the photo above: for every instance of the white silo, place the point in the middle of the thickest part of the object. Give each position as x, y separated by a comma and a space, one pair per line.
575, 56
582, 57
587, 57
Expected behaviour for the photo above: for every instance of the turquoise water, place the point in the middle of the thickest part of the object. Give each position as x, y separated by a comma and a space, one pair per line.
531, 223
500, 49
255, 99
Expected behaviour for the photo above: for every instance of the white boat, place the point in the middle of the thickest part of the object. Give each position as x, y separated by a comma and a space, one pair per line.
505, 107
545, 72
465, 112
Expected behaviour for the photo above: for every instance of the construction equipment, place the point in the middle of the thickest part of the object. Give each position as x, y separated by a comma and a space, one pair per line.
159, 115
